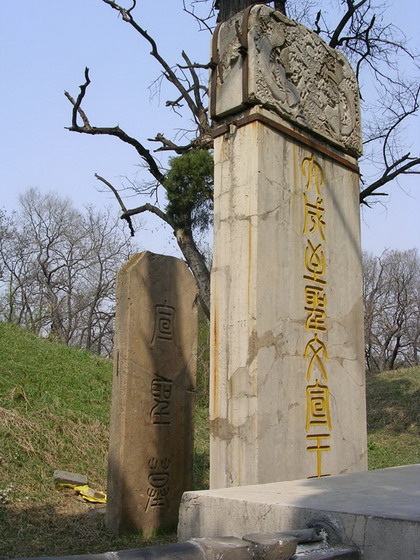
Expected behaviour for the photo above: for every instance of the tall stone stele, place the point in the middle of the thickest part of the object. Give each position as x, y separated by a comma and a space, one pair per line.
151, 432
287, 366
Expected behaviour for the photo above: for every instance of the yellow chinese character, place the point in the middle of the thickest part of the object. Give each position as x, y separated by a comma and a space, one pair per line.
314, 215
315, 298
315, 262
316, 321
313, 173
317, 406
319, 353
318, 448
316, 301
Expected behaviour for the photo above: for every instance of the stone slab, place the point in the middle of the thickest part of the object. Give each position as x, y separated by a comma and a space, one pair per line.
220, 548
287, 398
153, 394
65, 477
378, 511
186, 551
271, 547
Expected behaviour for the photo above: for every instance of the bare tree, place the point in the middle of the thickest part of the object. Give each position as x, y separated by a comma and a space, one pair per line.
59, 268
392, 309
357, 28
190, 91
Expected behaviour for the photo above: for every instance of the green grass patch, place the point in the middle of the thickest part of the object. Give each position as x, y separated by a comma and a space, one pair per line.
393, 399
54, 414
54, 408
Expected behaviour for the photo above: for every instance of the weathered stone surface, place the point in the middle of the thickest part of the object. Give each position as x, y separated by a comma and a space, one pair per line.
266, 546
308, 535
348, 553
220, 548
151, 433
287, 363
263, 58
186, 550
377, 511
224, 548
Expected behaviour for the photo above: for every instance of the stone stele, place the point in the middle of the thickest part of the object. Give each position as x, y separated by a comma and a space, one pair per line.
151, 433
287, 366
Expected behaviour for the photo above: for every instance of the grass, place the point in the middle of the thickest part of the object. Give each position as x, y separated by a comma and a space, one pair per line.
54, 413
54, 409
394, 418
54, 400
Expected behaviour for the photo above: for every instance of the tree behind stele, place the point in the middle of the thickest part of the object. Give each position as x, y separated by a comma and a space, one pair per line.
392, 309
358, 28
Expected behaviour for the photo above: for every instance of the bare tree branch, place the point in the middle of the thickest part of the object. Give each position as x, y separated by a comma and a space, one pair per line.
149, 208
208, 66
388, 176
399, 118
168, 145
196, 82
168, 71
111, 131
317, 27
76, 104
202, 21
351, 9
120, 202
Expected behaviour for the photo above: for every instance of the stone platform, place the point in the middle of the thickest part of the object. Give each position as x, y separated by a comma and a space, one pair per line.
378, 511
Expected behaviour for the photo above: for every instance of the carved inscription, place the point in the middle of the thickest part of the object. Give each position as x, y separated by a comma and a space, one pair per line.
164, 323
161, 389
160, 412
318, 418
158, 490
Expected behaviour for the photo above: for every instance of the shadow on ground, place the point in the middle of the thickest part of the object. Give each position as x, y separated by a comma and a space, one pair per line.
45, 531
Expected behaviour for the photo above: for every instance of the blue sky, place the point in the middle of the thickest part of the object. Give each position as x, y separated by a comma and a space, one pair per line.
44, 48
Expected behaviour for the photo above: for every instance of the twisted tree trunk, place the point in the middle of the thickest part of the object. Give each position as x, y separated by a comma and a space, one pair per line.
228, 8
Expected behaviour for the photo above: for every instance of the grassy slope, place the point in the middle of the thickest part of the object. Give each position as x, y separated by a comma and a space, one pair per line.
393, 399
54, 401
54, 407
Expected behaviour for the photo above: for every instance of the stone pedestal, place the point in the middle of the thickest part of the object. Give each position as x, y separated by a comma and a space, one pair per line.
287, 363
377, 511
151, 432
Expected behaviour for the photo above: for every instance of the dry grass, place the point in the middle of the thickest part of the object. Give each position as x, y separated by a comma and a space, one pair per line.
61, 526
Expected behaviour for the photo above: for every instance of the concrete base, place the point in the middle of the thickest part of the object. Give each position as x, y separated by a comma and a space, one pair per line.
378, 511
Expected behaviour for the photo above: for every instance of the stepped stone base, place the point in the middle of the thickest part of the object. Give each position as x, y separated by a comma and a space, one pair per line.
378, 511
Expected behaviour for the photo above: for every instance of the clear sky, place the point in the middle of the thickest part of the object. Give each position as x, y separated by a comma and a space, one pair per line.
44, 48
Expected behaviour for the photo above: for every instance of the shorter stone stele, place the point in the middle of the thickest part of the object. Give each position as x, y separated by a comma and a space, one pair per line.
152, 414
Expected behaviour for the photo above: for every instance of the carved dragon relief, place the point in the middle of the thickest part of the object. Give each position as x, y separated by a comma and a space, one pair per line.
290, 71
